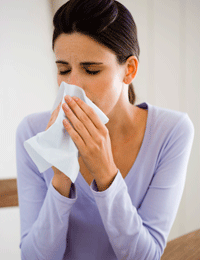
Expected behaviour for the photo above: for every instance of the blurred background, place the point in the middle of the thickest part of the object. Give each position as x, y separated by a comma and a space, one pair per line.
168, 77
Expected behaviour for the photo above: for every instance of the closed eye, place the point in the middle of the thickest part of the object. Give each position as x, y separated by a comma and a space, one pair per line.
88, 71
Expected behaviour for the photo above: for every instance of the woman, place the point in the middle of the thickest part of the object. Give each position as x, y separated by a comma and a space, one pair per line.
132, 170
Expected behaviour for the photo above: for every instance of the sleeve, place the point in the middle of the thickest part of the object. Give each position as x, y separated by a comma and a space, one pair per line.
44, 212
142, 233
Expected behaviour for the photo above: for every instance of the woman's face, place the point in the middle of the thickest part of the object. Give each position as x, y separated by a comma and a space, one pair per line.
83, 62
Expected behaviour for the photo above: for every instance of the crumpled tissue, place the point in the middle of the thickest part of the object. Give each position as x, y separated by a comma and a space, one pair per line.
55, 147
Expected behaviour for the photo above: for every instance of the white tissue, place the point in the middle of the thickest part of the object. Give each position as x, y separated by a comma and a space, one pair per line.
55, 147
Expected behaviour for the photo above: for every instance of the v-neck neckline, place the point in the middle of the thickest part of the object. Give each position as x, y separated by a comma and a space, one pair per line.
82, 182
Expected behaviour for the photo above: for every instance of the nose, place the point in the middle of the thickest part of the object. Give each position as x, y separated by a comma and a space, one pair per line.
74, 79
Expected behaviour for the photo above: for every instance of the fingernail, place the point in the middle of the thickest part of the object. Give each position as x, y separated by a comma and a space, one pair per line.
68, 98
75, 98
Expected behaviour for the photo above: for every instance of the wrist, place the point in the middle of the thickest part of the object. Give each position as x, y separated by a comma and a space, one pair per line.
105, 182
59, 174
61, 183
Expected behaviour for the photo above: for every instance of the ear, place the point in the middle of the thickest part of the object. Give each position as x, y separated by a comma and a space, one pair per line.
131, 69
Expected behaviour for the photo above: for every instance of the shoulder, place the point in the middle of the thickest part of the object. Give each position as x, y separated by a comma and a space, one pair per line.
173, 135
32, 124
167, 121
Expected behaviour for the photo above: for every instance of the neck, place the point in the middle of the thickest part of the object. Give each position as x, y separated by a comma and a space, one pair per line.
122, 121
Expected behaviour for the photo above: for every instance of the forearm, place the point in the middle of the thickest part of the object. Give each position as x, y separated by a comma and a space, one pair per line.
47, 237
61, 183
130, 239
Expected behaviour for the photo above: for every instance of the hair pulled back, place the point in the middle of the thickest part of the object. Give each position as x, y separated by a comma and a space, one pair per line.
106, 21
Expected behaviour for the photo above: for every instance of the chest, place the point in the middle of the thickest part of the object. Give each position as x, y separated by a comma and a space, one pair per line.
124, 156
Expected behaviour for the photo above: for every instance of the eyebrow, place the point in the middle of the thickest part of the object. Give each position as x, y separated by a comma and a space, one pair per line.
82, 63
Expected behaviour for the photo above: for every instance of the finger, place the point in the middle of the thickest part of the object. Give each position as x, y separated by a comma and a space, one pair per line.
90, 113
54, 116
88, 117
79, 142
78, 126
82, 116
86, 121
58, 107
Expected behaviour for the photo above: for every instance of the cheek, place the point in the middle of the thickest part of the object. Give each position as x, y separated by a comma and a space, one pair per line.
60, 79
113, 86
107, 94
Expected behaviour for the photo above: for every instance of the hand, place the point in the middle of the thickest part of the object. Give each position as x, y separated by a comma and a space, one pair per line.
54, 115
91, 138
52, 120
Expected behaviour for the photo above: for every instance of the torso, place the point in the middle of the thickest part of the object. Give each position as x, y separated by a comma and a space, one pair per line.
124, 154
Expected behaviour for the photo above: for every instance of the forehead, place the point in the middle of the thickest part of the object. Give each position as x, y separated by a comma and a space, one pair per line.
79, 46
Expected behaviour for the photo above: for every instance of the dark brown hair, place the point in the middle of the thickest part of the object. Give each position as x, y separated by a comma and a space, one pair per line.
106, 21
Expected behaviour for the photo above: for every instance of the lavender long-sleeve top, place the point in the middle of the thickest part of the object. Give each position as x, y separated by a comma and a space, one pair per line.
129, 220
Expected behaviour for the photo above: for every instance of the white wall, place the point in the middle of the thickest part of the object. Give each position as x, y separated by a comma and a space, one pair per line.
27, 75
168, 77
27, 85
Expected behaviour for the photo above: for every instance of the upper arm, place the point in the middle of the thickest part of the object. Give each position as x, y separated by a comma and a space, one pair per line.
160, 205
31, 186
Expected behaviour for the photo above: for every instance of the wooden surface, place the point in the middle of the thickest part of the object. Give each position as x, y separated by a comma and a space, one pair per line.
8, 193
186, 247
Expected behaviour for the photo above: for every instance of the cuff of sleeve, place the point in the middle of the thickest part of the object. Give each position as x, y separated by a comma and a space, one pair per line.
112, 188
72, 195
